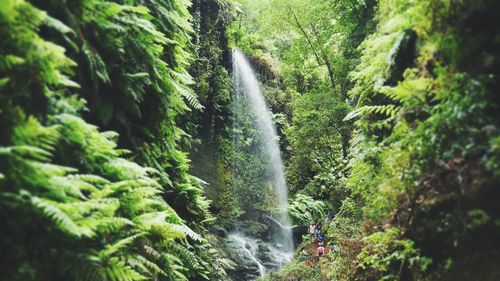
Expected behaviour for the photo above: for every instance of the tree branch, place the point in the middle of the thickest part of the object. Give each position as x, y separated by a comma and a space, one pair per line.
318, 59
325, 57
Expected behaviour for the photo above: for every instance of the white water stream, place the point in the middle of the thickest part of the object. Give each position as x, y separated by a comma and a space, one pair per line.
249, 102
247, 86
250, 247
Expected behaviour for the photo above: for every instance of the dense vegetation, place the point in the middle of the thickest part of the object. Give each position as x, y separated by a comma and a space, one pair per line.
386, 110
391, 119
74, 204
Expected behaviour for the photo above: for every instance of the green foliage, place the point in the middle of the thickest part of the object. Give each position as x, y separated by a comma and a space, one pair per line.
492, 161
211, 151
309, 44
386, 110
385, 250
305, 210
119, 203
295, 271
151, 62
250, 177
88, 211
320, 145
476, 218
405, 130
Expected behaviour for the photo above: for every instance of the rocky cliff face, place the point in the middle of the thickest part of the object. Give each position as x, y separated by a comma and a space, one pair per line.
213, 85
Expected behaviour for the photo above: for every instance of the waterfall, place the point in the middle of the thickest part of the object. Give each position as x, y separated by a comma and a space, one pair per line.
249, 100
249, 246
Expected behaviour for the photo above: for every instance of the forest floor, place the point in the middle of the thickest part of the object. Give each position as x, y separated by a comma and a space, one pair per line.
313, 260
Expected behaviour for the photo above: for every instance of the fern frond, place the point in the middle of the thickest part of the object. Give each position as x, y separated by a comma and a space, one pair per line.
389, 110
188, 232
187, 256
117, 246
187, 93
118, 270
156, 222
60, 218
146, 265
175, 267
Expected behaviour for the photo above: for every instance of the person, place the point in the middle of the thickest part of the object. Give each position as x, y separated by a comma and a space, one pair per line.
330, 215
318, 228
320, 238
311, 229
304, 255
320, 251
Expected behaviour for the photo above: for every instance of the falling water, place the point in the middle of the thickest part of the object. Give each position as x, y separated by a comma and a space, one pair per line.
249, 246
247, 87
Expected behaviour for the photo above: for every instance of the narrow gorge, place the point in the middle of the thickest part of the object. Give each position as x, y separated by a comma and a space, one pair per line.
249, 140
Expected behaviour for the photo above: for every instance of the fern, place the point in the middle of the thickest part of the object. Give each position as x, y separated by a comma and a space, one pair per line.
117, 246
117, 269
105, 216
60, 218
187, 255
390, 110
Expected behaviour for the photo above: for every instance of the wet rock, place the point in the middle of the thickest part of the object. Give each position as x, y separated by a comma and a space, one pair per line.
264, 253
271, 265
219, 231
253, 229
263, 248
248, 253
246, 268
